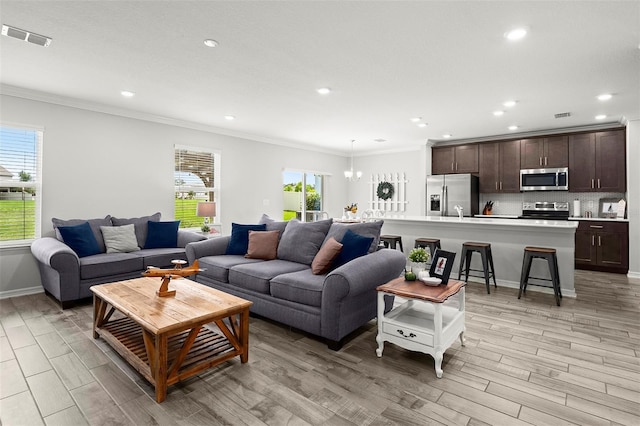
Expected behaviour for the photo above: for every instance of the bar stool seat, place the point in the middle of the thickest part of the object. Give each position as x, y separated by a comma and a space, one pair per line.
548, 254
431, 243
392, 241
487, 270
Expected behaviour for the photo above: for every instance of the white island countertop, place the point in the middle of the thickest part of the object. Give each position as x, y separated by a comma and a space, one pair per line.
492, 221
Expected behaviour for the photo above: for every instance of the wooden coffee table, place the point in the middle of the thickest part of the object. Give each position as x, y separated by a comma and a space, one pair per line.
165, 338
422, 323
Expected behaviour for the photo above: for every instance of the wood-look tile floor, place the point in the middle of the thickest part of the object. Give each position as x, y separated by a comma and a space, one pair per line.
525, 362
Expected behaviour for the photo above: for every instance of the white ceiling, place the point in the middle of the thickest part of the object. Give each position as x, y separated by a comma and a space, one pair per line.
386, 62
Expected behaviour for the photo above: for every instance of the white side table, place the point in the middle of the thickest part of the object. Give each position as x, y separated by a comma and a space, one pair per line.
423, 323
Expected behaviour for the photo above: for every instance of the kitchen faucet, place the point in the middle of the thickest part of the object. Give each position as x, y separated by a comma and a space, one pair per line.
459, 209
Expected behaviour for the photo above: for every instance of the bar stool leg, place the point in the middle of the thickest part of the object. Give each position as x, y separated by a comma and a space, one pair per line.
558, 275
468, 265
554, 278
493, 271
401, 248
485, 267
462, 259
527, 271
523, 277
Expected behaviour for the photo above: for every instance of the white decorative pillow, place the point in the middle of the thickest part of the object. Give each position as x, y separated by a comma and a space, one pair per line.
120, 239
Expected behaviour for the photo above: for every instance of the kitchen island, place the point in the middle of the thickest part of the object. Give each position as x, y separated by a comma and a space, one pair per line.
508, 238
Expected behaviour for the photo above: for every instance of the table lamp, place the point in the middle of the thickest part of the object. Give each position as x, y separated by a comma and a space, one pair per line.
206, 209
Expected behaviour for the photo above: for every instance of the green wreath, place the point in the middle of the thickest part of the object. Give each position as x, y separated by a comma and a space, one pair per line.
385, 190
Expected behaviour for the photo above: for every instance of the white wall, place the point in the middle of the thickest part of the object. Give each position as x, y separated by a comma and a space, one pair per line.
412, 163
97, 164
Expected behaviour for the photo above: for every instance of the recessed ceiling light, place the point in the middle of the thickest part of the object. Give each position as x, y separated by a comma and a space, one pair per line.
513, 127
498, 113
210, 43
516, 34
446, 136
324, 90
422, 124
601, 117
379, 140
416, 119
509, 104
127, 94
229, 117
604, 97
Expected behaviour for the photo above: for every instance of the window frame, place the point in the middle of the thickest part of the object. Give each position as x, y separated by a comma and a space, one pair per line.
36, 184
214, 191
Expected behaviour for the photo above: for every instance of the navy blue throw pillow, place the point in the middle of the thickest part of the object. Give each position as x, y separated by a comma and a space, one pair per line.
162, 234
80, 238
353, 245
239, 242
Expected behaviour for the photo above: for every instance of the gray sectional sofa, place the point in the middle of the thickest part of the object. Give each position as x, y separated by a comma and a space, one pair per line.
331, 304
67, 276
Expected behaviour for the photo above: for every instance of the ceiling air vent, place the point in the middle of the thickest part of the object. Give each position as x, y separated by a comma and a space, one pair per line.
562, 115
23, 35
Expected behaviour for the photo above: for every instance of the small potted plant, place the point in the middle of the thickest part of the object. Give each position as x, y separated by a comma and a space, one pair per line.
419, 258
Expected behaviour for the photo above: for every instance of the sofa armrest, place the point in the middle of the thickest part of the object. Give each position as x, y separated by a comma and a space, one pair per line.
363, 274
185, 237
211, 247
55, 254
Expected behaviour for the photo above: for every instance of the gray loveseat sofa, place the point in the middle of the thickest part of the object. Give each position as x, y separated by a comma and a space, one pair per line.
285, 289
67, 276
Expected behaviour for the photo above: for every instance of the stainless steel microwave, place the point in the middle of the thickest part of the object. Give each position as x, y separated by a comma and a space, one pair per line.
544, 179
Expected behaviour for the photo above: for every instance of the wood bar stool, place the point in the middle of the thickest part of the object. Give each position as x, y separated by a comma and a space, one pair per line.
392, 241
431, 243
488, 271
549, 255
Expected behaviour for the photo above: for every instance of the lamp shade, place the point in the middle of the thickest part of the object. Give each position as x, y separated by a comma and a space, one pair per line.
206, 209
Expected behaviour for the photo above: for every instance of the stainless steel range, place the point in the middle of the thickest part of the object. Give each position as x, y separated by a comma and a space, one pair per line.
558, 210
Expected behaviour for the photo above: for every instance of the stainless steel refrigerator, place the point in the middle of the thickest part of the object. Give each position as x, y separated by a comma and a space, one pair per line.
444, 192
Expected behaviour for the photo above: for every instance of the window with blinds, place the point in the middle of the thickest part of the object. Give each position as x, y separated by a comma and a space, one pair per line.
196, 179
20, 185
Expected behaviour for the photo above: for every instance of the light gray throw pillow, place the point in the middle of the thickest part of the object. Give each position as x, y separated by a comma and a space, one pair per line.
301, 241
140, 224
120, 239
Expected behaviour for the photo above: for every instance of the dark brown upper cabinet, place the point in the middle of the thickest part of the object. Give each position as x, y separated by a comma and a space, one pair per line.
454, 159
499, 167
597, 162
544, 152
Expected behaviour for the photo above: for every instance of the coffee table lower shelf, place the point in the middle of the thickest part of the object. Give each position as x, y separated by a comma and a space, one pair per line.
208, 349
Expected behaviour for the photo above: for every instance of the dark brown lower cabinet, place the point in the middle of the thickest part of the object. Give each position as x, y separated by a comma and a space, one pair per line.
602, 246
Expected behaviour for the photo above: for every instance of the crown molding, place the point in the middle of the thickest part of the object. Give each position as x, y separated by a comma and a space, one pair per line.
523, 135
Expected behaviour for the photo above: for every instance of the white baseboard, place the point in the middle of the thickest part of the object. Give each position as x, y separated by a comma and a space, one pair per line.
633, 274
21, 292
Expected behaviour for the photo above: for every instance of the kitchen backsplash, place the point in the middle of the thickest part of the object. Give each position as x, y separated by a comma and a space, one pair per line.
511, 204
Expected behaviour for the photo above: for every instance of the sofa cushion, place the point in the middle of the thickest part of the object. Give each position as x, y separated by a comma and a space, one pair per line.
80, 238
256, 276
95, 228
239, 242
217, 267
263, 245
161, 257
273, 225
301, 241
353, 246
120, 239
323, 260
300, 287
140, 225
366, 229
162, 234
108, 264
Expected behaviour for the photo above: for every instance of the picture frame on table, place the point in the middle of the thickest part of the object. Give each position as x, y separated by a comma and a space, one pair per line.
442, 265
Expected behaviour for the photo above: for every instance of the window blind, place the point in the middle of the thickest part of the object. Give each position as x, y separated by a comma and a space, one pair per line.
20, 185
195, 181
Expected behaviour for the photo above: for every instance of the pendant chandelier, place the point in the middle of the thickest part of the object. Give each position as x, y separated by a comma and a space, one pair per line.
350, 174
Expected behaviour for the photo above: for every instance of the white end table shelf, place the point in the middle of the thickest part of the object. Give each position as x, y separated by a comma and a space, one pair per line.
423, 323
